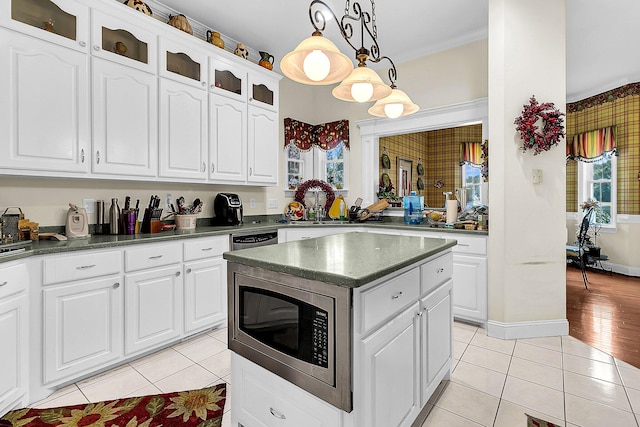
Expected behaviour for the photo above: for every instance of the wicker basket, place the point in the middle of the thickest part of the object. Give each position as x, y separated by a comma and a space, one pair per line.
186, 222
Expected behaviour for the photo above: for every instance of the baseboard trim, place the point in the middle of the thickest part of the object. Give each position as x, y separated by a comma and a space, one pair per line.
533, 329
622, 269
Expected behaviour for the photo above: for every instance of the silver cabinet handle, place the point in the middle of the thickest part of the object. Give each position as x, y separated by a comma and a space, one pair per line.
440, 270
188, 270
4, 283
250, 171
82, 155
116, 285
277, 414
420, 313
98, 157
212, 86
206, 249
397, 295
213, 167
204, 167
82, 43
177, 274
464, 244
204, 84
85, 267
155, 257
96, 47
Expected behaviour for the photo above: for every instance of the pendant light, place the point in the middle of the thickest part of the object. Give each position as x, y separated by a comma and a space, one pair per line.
395, 105
317, 61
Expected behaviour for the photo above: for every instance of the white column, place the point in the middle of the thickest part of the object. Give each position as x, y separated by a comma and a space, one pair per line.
527, 221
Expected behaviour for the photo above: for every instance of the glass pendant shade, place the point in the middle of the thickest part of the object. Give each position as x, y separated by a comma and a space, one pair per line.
362, 85
395, 105
316, 61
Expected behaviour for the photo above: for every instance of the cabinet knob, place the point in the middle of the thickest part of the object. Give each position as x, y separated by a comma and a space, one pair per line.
116, 285
212, 86
277, 414
396, 295
204, 84
420, 313
177, 274
81, 43
96, 47
188, 270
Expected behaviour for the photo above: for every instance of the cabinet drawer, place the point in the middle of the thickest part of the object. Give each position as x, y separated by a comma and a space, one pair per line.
13, 279
82, 266
149, 256
436, 272
385, 300
470, 245
268, 400
205, 248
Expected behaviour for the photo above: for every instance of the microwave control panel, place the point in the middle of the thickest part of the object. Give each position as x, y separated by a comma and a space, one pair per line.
320, 355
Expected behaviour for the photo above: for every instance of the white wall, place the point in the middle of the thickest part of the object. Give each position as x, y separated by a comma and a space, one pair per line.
526, 242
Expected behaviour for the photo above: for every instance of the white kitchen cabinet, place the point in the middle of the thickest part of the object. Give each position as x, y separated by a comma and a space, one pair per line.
183, 63
82, 324
262, 146
227, 139
205, 283
125, 120
14, 332
124, 40
183, 131
470, 287
62, 22
44, 110
391, 363
436, 338
153, 308
267, 400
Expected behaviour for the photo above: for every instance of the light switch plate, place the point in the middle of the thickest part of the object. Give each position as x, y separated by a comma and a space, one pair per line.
252, 202
273, 203
537, 176
89, 205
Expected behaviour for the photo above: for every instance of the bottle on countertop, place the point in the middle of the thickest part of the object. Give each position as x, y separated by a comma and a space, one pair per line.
114, 217
99, 217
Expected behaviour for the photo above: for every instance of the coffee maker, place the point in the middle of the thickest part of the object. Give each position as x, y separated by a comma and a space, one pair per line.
228, 209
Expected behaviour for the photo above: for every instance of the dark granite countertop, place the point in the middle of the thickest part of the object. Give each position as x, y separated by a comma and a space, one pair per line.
350, 259
261, 223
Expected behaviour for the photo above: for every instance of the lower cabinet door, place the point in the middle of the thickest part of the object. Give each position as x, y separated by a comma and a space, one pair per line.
14, 355
437, 335
205, 294
82, 327
153, 308
470, 287
390, 389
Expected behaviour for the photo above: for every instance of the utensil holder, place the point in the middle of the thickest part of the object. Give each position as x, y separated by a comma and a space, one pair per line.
186, 222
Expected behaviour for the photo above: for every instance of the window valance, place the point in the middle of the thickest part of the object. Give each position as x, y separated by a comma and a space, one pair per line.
591, 146
325, 136
472, 153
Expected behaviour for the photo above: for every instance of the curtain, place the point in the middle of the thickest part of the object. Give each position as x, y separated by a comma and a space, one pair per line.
471, 153
325, 136
591, 146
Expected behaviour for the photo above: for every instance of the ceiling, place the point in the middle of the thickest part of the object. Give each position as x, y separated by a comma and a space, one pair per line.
600, 54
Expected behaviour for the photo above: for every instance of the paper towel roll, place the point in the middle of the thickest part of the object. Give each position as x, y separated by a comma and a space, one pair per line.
452, 211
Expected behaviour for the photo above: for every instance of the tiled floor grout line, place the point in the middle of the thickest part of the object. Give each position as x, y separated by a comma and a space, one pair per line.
626, 393
564, 392
506, 377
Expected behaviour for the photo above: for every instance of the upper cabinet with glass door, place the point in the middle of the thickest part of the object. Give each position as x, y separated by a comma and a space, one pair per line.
227, 78
63, 22
263, 89
124, 41
183, 63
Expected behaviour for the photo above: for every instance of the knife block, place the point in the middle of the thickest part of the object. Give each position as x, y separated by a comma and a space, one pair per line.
151, 221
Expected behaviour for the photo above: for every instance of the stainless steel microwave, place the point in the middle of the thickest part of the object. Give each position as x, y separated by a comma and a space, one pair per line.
297, 328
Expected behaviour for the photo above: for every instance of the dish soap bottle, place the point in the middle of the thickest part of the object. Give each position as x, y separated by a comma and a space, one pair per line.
412, 208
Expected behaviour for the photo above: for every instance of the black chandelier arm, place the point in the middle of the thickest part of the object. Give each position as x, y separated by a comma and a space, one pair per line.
318, 18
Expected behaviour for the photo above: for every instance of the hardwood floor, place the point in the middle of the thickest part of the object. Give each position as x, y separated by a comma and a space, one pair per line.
607, 315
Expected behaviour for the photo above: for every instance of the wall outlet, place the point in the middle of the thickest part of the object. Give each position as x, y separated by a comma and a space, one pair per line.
252, 202
89, 205
273, 203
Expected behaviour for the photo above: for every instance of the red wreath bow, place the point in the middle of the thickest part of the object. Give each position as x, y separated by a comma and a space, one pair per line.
552, 126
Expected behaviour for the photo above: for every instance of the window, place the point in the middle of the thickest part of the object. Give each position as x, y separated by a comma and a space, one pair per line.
473, 185
329, 166
598, 181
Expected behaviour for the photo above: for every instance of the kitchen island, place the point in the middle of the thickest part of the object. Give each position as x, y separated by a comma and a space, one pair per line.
388, 330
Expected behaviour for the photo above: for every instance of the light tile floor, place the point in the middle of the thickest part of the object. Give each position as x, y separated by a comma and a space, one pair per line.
494, 382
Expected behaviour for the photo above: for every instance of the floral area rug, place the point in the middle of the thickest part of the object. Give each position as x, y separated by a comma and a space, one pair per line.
193, 408
536, 422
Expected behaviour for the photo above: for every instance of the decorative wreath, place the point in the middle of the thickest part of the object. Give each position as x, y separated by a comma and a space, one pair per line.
552, 129
315, 183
